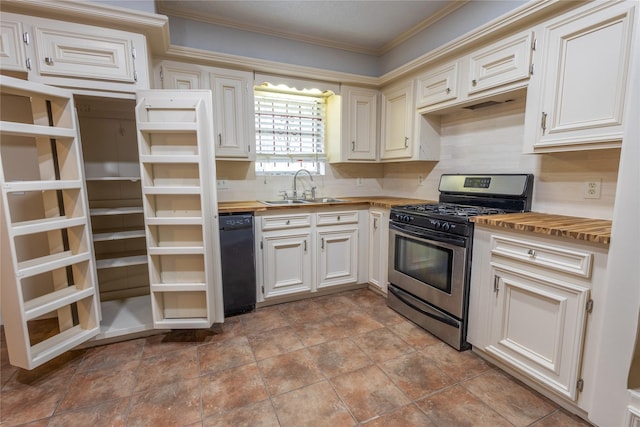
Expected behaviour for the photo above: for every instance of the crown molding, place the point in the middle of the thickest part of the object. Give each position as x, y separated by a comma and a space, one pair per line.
155, 27
205, 57
517, 19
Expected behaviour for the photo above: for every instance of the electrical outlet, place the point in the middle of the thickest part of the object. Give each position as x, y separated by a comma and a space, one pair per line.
222, 184
592, 188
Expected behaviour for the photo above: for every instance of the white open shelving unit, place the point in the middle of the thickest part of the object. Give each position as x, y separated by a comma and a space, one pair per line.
180, 207
48, 264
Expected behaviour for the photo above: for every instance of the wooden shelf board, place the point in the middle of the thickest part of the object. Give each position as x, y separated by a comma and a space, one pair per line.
179, 287
58, 344
118, 235
36, 131
121, 262
46, 224
55, 300
51, 262
127, 210
16, 186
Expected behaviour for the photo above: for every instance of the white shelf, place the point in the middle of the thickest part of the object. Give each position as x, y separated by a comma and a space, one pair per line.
121, 261
169, 190
118, 235
36, 131
167, 127
178, 220
55, 300
179, 287
112, 178
183, 323
169, 158
58, 344
125, 316
51, 262
176, 250
127, 210
16, 186
46, 224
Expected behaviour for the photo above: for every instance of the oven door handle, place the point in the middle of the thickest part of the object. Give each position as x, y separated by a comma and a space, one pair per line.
434, 315
426, 235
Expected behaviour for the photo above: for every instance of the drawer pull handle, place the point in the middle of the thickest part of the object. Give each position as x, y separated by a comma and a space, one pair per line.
406, 142
322, 243
288, 222
496, 284
48, 60
305, 246
338, 217
375, 223
220, 139
353, 146
532, 253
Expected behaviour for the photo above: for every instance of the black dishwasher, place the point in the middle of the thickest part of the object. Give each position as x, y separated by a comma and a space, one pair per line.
238, 263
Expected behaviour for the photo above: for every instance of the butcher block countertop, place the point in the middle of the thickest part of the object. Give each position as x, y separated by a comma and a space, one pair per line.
373, 201
586, 229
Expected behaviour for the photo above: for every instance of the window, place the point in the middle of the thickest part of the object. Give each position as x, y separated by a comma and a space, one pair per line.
290, 130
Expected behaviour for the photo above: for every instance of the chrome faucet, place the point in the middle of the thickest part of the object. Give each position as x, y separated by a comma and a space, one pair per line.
295, 177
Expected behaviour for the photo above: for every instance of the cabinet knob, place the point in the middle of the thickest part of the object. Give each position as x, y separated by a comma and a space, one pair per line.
338, 217
448, 90
288, 222
474, 82
48, 60
531, 253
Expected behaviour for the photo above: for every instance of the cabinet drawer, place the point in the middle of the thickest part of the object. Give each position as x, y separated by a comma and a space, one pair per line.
275, 222
554, 258
96, 54
332, 218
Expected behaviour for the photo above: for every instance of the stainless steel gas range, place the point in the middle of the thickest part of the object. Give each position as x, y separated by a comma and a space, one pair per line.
430, 249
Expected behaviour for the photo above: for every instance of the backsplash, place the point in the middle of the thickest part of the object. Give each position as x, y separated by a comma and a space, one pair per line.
480, 141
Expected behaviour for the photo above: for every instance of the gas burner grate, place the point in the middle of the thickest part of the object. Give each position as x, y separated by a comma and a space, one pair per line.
450, 209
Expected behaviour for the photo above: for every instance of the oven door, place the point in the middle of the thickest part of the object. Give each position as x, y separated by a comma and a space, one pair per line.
429, 265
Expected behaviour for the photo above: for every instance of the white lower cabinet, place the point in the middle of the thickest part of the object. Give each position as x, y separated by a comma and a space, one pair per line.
378, 247
305, 252
530, 309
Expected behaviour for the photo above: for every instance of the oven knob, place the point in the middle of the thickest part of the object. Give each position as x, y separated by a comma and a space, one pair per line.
437, 225
446, 226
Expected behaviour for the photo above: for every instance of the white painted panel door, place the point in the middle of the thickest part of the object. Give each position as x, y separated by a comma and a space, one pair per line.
232, 118
438, 85
585, 80
538, 327
12, 55
48, 264
173, 77
337, 260
286, 262
378, 248
503, 62
362, 124
397, 122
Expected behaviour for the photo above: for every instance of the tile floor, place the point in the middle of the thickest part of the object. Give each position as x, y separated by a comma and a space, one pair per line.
340, 360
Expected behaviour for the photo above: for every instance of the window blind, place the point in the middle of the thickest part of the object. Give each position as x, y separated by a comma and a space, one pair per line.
290, 131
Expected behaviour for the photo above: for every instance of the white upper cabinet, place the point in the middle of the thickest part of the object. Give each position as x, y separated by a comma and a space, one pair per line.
232, 90
233, 113
500, 63
75, 55
438, 85
577, 100
12, 49
490, 72
397, 122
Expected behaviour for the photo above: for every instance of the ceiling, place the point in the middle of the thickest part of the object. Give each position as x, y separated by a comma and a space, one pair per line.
363, 26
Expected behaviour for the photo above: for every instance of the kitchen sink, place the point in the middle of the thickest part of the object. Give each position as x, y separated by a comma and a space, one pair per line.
289, 202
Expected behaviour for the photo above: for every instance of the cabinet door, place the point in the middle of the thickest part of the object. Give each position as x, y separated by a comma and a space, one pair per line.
378, 248
181, 78
233, 122
48, 264
538, 327
180, 208
337, 260
286, 262
397, 122
12, 55
362, 135
84, 52
438, 85
500, 63
581, 93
